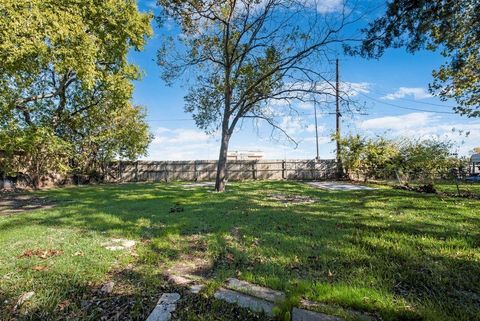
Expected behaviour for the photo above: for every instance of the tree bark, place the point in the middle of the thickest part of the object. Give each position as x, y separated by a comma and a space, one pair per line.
221, 178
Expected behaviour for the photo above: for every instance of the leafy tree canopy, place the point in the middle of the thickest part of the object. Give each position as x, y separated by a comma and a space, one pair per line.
451, 26
64, 70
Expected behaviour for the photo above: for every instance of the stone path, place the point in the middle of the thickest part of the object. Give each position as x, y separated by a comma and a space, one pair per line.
247, 295
336, 186
255, 290
165, 306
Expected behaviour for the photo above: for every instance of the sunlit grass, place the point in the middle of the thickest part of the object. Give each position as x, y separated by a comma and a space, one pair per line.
403, 255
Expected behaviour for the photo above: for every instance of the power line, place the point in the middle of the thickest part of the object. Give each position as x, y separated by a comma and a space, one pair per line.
416, 101
190, 119
401, 107
173, 119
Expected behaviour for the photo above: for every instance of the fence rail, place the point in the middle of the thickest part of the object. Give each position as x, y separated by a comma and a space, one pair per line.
203, 170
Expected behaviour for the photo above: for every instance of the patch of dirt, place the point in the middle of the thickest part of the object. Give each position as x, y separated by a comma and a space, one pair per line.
119, 244
194, 260
427, 188
430, 189
15, 203
292, 199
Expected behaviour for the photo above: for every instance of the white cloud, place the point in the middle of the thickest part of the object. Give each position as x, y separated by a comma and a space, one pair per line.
425, 125
179, 136
415, 92
326, 6
407, 121
182, 144
292, 125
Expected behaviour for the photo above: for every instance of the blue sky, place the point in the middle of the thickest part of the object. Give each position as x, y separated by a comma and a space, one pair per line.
398, 79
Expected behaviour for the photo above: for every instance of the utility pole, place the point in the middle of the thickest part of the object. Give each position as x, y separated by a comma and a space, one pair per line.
338, 115
316, 129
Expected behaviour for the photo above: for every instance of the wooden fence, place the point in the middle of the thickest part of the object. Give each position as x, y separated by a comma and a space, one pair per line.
203, 170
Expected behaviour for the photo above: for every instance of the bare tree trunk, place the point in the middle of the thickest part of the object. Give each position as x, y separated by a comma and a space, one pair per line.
222, 163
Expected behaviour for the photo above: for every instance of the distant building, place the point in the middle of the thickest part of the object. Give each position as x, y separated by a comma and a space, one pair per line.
245, 155
475, 164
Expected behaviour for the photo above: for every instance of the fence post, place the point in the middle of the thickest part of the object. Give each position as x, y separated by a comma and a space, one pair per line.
195, 178
283, 169
254, 174
136, 171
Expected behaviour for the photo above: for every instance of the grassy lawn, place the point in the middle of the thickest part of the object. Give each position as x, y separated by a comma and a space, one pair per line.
397, 254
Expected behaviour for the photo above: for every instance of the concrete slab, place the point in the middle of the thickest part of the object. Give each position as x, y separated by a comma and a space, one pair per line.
199, 184
179, 280
305, 315
196, 288
337, 186
165, 306
255, 290
245, 301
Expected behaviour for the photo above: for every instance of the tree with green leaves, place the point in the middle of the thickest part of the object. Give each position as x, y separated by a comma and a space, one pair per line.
248, 59
64, 71
449, 26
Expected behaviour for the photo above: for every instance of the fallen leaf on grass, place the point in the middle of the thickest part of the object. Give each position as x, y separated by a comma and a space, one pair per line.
39, 267
63, 305
230, 257
79, 253
43, 254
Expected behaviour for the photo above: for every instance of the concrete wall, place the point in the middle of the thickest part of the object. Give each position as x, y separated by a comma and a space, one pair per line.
202, 170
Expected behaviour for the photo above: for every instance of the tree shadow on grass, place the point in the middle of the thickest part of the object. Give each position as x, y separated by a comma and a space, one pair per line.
361, 239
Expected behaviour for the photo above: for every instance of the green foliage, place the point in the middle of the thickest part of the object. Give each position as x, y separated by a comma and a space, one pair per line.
449, 26
370, 158
425, 159
64, 71
35, 151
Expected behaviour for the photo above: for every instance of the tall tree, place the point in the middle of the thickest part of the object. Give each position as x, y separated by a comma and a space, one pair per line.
245, 58
450, 26
63, 63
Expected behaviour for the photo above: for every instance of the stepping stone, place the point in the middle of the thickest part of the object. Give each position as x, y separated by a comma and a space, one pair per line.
245, 301
315, 306
335, 186
305, 315
196, 288
255, 290
193, 285
165, 306
179, 280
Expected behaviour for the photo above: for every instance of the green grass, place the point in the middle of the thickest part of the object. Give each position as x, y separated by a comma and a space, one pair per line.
396, 254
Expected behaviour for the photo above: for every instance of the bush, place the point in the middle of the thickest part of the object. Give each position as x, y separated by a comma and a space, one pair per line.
37, 152
405, 159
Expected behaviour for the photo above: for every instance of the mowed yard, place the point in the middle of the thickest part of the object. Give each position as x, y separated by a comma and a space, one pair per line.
398, 255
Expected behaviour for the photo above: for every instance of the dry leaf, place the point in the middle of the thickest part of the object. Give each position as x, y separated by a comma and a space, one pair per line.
63, 305
39, 267
43, 254
230, 257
